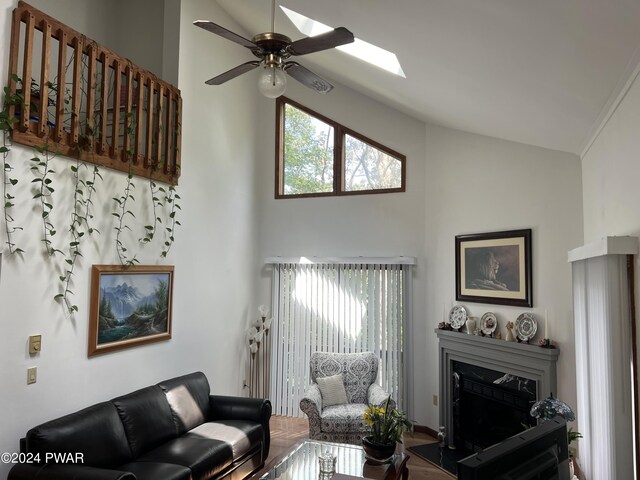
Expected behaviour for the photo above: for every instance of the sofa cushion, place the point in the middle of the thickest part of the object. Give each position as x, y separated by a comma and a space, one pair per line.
95, 431
241, 436
343, 418
203, 456
147, 419
156, 471
188, 397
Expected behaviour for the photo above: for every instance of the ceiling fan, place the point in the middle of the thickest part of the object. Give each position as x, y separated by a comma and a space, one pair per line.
273, 51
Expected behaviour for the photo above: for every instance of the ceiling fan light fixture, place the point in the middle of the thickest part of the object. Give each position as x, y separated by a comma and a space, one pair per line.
272, 81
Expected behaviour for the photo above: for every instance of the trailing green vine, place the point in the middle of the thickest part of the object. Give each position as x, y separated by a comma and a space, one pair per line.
171, 198
80, 224
7, 123
122, 210
44, 194
150, 230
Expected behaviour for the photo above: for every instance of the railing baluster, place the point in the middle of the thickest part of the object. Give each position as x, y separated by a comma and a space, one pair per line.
177, 166
26, 72
115, 117
139, 99
160, 125
14, 52
43, 114
89, 130
62, 70
148, 162
78, 46
104, 97
168, 164
128, 118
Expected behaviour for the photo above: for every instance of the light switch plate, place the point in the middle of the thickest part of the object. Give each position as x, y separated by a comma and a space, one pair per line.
35, 344
32, 375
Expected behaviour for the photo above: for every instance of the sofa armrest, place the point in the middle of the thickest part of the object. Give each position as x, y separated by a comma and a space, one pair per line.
59, 471
311, 404
378, 396
243, 408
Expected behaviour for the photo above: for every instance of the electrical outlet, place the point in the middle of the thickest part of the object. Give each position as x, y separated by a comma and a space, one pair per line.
435, 400
32, 375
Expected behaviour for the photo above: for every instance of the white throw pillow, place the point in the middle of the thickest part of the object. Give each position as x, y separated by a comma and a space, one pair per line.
332, 390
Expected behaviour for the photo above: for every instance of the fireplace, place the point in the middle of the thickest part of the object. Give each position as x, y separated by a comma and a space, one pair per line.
489, 406
487, 387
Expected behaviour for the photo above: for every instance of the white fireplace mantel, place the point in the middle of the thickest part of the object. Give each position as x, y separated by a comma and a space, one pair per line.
520, 359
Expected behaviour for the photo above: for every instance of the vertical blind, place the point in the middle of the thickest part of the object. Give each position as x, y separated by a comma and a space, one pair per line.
337, 307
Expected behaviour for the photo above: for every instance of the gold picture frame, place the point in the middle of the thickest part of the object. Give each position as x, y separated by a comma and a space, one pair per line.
130, 306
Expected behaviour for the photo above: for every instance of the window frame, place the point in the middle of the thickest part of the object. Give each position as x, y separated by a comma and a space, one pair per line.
339, 132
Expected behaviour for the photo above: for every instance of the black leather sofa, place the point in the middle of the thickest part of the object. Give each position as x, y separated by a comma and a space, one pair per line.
174, 430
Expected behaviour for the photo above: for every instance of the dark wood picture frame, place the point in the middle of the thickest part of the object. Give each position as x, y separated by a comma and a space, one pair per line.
141, 311
495, 268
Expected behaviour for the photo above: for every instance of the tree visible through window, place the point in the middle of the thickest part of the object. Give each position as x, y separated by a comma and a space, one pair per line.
317, 156
308, 153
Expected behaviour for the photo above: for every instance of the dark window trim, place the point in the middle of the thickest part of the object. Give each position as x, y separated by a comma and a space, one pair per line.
338, 155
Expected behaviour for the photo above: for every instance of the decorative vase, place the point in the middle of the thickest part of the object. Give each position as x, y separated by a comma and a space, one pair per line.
376, 452
471, 325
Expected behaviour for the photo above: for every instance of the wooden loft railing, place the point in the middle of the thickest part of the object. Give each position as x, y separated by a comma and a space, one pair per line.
85, 101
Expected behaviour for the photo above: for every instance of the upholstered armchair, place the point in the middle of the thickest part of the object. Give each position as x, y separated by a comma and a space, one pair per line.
342, 422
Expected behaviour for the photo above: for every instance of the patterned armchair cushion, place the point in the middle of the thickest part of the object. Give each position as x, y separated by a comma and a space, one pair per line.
359, 371
343, 419
332, 390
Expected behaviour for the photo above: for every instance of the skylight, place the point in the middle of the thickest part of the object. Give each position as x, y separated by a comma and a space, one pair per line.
359, 48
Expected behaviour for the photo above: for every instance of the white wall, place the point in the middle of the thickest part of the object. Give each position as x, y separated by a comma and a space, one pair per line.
481, 184
610, 173
214, 255
369, 225
456, 183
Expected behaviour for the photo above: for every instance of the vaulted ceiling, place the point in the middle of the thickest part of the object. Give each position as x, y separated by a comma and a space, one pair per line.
541, 72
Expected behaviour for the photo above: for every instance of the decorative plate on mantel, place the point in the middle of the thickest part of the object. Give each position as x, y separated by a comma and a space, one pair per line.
526, 327
457, 317
488, 323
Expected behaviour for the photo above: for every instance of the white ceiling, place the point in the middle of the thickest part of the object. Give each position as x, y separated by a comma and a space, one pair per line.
541, 72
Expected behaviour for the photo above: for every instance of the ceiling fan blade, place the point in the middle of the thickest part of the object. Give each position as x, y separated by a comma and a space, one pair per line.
324, 41
223, 32
307, 77
233, 73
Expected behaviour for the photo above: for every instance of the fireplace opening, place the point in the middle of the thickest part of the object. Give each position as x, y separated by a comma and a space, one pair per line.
489, 406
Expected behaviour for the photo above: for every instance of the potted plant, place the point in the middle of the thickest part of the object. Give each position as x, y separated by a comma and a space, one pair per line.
387, 425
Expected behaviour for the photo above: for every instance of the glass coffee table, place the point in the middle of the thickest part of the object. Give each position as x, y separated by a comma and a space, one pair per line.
302, 463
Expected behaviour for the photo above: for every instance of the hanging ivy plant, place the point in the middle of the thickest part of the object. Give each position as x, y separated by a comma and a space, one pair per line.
7, 123
156, 203
81, 223
44, 194
171, 198
122, 210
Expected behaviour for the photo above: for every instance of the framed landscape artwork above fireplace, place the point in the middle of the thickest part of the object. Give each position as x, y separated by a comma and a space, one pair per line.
494, 268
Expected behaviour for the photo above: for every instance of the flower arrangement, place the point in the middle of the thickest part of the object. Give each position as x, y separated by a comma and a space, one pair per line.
549, 407
387, 424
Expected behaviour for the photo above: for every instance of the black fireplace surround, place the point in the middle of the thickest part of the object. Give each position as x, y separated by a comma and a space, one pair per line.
489, 406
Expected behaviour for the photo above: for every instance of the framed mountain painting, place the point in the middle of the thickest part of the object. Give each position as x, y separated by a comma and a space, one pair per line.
130, 306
